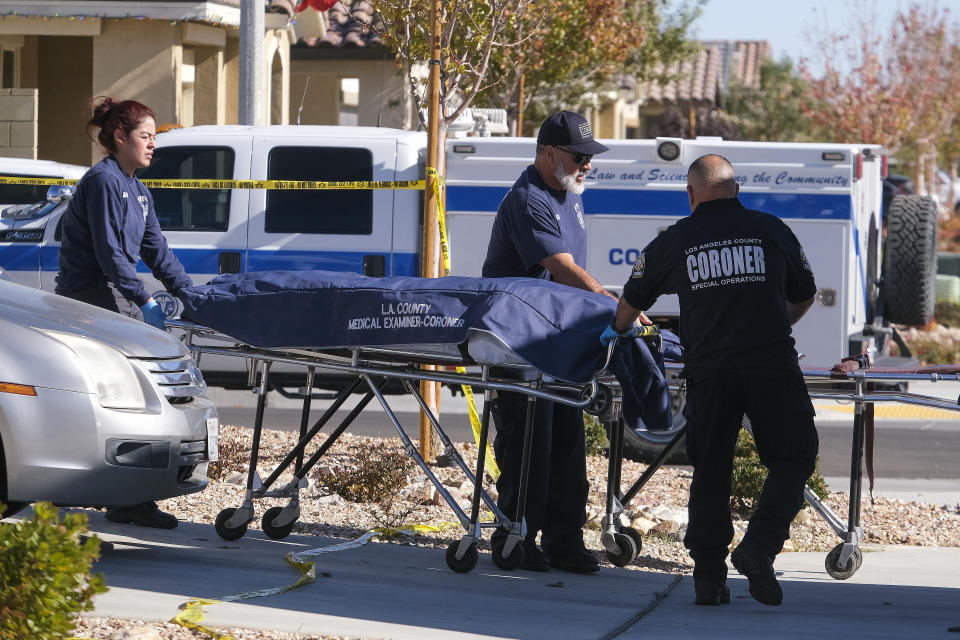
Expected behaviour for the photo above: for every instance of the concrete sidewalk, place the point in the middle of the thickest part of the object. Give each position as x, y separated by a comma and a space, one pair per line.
382, 590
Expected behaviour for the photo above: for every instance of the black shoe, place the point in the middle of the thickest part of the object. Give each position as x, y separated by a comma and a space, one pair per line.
145, 514
758, 569
711, 592
577, 561
533, 558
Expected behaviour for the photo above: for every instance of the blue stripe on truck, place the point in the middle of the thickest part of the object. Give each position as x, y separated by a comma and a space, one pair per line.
815, 206
23, 257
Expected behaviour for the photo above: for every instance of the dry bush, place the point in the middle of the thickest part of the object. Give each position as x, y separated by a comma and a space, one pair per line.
376, 475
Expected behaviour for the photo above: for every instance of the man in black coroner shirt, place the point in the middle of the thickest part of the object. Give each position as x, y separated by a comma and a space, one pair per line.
743, 280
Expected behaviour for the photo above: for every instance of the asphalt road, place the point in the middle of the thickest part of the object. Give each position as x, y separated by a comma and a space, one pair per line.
903, 448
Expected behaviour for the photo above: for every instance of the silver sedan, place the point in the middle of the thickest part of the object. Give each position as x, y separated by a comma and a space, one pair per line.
96, 409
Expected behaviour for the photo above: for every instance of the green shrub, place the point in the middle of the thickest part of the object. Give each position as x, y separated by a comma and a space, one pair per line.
930, 348
377, 475
595, 435
45, 574
749, 475
947, 314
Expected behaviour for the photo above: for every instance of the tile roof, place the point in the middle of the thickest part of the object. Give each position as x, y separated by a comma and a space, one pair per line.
348, 25
707, 76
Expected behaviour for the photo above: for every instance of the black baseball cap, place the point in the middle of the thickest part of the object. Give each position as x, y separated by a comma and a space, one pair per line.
571, 130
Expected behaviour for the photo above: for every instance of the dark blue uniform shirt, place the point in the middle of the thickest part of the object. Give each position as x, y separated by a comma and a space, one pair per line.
734, 270
535, 222
109, 225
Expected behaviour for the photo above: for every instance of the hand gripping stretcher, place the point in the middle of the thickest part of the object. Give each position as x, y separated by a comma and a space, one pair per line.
382, 330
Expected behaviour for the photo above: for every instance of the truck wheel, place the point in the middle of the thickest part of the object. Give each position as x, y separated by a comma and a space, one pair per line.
873, 268
645, 446
910, 260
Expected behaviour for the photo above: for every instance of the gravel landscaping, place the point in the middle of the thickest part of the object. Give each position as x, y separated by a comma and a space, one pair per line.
659, 511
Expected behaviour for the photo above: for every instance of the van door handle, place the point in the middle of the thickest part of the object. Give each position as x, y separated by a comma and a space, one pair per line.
229, 262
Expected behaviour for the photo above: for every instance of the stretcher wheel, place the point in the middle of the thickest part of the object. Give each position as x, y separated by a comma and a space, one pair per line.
628, 550
838, 572
277, 533
601, 403
634, 535
467, 562
225, 532
510, 562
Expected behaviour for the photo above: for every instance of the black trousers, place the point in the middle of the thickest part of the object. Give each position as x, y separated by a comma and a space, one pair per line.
781, 416
106, 296
557, 483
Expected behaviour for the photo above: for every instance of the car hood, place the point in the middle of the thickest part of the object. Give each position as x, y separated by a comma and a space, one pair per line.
41, 310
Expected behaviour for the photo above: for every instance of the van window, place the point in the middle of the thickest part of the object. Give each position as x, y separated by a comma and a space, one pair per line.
332, 211
191, 209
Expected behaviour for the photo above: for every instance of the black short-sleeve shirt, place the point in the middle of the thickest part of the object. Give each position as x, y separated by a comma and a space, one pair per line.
734, 271
535, 222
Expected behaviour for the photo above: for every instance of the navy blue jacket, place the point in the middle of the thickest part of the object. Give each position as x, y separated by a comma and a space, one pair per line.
535, 222
109, 225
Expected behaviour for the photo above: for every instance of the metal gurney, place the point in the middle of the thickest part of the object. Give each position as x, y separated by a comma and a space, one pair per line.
852, 380
378, 330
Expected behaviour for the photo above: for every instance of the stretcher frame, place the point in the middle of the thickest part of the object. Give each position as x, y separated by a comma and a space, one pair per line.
853, 380
373, 367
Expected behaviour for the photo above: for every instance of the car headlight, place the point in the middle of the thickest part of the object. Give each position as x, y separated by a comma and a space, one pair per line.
117, 384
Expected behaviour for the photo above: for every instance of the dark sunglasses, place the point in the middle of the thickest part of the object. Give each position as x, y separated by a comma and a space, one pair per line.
579, 158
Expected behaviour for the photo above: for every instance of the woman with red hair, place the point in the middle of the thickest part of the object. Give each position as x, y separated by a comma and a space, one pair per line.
110, 224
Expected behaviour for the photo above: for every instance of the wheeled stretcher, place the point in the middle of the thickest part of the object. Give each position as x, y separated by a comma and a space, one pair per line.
525, 336
852, 380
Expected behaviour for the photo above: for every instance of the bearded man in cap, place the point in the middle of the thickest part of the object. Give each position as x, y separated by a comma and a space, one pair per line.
539, 232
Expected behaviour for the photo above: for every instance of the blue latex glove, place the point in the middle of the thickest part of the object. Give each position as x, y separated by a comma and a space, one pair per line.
610, 334
152, 314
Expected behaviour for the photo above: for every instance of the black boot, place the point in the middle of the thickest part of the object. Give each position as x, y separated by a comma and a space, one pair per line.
145, 514
711, 592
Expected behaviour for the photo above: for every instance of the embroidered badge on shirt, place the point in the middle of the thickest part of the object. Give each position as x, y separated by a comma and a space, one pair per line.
638, 266
804, 261
143, 203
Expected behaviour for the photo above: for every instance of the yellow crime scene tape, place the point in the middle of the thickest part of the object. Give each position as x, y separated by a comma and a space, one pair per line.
490, 462
192, 611
237, 184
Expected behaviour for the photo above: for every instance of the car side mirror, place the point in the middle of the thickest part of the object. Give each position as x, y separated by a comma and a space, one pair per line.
59, 192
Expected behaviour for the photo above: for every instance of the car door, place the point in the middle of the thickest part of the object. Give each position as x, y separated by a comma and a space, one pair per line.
337, 230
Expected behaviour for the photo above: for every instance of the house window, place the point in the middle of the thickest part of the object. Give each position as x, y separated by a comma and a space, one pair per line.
8, 69
188, 77
191, 209
349, 101
333, 211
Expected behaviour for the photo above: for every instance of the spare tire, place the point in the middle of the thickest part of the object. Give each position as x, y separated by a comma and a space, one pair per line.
910, 260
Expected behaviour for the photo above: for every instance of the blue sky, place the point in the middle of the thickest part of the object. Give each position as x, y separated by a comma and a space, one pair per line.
784, 22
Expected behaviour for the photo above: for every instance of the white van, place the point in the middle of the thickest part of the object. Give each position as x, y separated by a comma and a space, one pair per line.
830, 194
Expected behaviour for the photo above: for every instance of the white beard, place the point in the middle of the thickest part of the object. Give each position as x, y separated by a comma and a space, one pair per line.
567, 181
